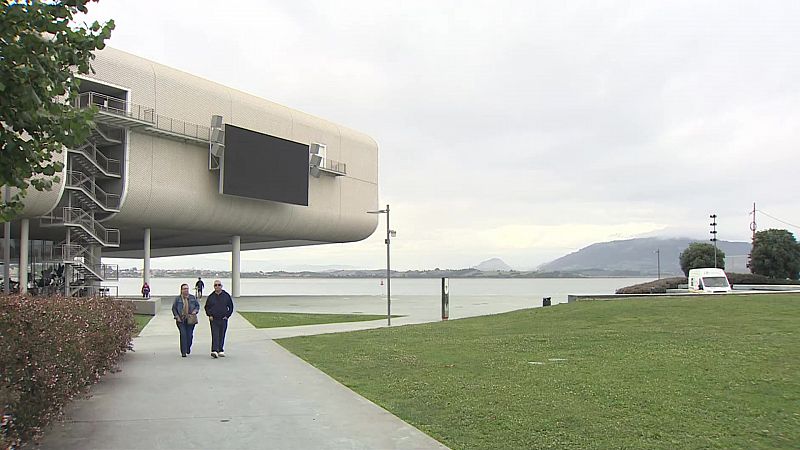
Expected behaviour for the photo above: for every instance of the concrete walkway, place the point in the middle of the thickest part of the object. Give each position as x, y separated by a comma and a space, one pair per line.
258, 397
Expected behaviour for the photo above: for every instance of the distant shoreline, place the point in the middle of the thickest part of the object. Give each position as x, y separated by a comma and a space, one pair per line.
380, 274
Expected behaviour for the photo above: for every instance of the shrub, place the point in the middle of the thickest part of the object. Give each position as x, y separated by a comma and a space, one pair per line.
51, 349
653, 287
661, 286
751, 278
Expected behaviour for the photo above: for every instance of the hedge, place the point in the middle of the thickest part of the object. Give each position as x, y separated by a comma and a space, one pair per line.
51, 349
661, 286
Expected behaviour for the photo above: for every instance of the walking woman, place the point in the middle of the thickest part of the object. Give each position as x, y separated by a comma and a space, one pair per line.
185, 309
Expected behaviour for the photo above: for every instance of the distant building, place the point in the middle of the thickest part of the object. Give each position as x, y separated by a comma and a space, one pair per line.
179, 165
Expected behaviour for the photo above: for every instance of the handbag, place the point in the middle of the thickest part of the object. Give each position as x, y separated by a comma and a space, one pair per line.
191, 319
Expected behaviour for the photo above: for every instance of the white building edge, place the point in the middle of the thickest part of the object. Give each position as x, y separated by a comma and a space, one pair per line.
147, 182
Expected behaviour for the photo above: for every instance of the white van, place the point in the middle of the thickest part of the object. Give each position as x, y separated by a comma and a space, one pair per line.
708, 280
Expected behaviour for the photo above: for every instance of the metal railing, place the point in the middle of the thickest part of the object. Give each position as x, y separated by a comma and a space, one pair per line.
180, 127
334, 166
113, 105
80, 180
78, 254
93, 291
78, 217
91, 152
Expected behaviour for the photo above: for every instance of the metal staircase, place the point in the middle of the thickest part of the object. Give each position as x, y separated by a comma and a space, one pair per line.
83, 225
92, 191
92, 161
86, 265
90, 195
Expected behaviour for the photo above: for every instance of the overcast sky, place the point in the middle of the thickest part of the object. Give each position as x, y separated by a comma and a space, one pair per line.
520, 130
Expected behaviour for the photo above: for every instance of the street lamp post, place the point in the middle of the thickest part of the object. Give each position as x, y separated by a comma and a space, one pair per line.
714, 236
658, 261
389, 234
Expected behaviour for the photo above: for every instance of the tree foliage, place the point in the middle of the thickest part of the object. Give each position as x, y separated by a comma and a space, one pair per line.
775, 254
698, 255
41, 52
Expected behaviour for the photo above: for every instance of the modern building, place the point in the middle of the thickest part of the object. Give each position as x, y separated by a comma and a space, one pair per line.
180, 165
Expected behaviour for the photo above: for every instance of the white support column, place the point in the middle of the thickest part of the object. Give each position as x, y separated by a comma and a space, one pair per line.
146, 270
67, 267
97, 256
6, 256
24, 228
6, 249
235, 254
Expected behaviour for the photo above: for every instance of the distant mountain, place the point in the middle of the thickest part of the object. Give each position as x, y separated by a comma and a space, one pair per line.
493, 265
639, 256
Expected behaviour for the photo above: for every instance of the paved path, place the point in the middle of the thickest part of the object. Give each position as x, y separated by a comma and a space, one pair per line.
260, 396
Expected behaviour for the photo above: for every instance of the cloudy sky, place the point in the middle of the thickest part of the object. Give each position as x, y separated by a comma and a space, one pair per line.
521, 130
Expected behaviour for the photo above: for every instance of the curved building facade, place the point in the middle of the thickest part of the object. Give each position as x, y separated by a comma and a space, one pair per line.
180, 165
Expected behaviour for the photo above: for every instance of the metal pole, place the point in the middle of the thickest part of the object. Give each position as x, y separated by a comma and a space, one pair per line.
714, 236
658, 257
388, 274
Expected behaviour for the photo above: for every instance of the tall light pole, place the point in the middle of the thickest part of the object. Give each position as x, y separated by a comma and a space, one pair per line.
389, 234
714, 236
658, 260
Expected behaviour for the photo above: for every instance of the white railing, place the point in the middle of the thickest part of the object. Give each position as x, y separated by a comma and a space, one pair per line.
108, 165
82, 181
119, 107
78, 217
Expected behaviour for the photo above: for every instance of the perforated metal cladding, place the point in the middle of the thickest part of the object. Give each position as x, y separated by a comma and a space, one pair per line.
37, 203
128, 72
169, 185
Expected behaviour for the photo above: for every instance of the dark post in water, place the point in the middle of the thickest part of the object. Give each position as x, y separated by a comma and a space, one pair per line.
445, 298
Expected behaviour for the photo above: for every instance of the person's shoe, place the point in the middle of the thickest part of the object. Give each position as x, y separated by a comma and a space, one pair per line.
221, 354
214, 355
189, 352
183, 355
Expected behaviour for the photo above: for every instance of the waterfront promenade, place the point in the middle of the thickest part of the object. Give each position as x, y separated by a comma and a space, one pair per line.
259, 396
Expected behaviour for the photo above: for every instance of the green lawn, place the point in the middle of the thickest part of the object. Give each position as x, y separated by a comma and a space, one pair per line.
678, 373
277, 320
141, 321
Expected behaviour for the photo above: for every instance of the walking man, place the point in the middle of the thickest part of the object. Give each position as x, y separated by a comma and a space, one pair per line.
198, 287
219, 307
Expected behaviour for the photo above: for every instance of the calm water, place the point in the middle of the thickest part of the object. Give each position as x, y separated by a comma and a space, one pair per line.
549, 287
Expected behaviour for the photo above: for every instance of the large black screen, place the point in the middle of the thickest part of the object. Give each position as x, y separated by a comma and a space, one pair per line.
264, 167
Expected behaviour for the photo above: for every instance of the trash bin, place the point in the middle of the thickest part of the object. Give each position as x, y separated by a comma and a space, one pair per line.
545, 301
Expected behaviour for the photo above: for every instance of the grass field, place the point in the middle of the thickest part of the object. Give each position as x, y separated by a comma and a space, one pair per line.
277, 320
672, 373
141, 321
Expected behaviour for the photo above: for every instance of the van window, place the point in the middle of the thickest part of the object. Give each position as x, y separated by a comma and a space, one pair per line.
715, 282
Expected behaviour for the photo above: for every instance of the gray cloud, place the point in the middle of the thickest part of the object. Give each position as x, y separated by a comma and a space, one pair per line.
496, 115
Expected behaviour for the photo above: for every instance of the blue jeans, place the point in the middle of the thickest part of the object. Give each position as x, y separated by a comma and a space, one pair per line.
218, 328
187, 334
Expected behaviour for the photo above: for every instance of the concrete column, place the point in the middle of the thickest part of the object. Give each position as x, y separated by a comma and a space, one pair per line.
235, 254
24, 228
96, 252
6, 256
6, 249
146, 271
67, 267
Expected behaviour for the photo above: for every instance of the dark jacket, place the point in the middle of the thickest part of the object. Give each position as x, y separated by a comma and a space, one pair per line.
177, 306
219, 306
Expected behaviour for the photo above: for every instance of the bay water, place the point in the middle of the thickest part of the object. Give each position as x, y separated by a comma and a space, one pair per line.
534, 288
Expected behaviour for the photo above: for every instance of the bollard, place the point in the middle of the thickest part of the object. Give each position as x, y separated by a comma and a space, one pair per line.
445, 298
545, 301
